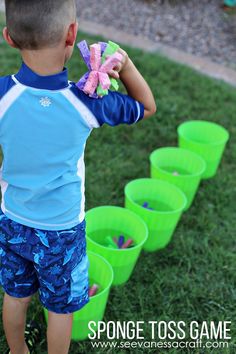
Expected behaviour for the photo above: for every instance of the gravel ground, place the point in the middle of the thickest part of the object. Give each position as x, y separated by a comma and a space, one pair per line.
197, 27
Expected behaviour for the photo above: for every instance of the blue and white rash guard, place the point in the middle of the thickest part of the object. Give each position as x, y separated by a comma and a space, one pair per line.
44, 124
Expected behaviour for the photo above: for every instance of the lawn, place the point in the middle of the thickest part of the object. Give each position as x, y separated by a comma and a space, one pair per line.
194, 278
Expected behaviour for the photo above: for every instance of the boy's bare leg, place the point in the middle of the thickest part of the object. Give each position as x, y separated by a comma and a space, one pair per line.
59, 333
14, 319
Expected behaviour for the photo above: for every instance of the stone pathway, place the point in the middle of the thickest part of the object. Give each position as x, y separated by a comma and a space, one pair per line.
135, 37
198, 27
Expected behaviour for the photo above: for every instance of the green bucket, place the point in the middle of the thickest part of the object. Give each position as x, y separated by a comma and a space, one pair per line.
101, 273
207, 139
113, 221
168, 203
181, 167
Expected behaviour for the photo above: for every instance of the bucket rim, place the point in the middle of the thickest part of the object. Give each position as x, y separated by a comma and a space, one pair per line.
178, 190
220, 142
111, 250
107, 288
197, 156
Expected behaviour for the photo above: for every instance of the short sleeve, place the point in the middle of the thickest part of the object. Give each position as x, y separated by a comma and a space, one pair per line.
114, 108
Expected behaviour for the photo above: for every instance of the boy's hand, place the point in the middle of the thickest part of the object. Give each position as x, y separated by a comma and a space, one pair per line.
135, 84
121, 66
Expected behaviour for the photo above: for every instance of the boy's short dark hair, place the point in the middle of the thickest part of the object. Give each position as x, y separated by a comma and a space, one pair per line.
37, 24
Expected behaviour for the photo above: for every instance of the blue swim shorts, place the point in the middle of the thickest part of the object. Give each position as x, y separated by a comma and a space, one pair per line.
54, 263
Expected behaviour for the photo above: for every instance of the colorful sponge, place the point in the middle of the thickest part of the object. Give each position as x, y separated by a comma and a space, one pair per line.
100, 59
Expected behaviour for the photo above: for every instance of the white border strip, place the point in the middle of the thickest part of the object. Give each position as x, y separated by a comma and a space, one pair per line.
81, 175
4, 186
139, 111
85, 113
9, 98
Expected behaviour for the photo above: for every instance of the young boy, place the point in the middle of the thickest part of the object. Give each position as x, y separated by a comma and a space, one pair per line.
44, 124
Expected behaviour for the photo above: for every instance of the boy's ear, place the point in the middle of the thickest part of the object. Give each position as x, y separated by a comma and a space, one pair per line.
7, 38
72, 34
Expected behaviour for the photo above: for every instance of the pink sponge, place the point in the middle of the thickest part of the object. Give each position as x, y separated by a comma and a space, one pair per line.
100, 60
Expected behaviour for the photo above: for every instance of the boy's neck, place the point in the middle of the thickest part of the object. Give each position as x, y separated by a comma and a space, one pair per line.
44, 62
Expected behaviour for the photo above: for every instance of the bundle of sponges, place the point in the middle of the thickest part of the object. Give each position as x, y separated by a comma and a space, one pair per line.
100, 59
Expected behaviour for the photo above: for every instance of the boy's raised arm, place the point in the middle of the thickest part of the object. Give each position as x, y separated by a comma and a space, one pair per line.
136, 86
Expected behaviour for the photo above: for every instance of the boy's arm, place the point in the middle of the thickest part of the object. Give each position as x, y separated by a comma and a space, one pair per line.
135, 84
117, 108
137, 87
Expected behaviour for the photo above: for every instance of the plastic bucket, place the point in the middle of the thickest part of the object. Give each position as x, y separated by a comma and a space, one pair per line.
114, 221
181, 167
206, 139
101, 273
168, 203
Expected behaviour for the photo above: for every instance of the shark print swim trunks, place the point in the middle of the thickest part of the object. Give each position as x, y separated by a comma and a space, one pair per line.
54, 263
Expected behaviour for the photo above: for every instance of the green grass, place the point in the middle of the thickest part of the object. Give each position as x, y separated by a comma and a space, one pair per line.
194, 278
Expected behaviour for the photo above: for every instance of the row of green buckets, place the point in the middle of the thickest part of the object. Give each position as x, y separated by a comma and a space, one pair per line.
176, 173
